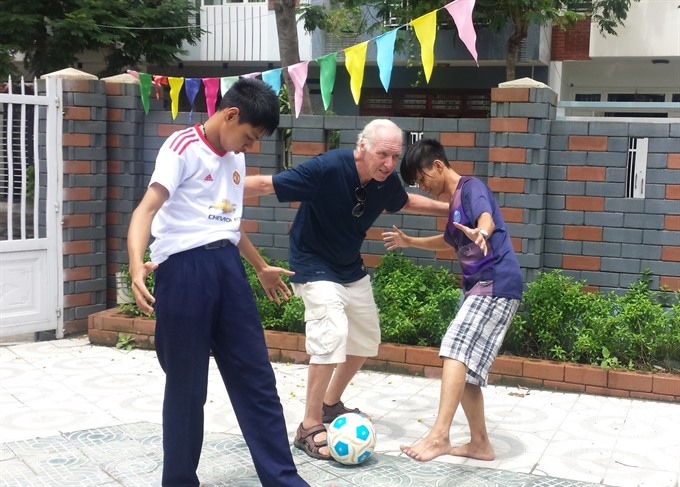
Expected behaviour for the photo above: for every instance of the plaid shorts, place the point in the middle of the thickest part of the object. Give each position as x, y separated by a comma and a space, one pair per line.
476, 333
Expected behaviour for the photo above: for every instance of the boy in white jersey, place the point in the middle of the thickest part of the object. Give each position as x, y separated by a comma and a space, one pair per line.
203, 301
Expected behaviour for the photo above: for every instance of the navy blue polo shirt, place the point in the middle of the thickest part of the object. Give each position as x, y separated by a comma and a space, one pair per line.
326, 239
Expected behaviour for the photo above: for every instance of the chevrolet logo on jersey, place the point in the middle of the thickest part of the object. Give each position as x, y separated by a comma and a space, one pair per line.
226, 206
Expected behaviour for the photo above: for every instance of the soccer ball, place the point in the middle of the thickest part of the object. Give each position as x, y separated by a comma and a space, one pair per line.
351, 438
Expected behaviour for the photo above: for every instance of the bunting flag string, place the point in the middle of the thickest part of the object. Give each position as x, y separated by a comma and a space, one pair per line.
355, 60
226, 83
298, 73
145, 89
192, 87
273, 79
158, 81
461, 11
211, 86
385, 45
425, 28
426, 31
175, 89
328, 65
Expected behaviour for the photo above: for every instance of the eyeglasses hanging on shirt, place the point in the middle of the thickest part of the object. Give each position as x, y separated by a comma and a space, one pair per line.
360, 195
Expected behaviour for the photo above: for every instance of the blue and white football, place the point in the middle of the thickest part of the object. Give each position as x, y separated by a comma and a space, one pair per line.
351, 438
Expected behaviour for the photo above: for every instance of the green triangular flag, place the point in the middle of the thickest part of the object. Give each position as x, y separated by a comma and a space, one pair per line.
145, 89
328, 65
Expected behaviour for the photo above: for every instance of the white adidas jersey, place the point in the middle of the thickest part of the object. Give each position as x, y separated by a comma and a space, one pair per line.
206, 194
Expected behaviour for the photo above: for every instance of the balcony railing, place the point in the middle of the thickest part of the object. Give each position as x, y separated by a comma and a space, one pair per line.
618, 109
241, 32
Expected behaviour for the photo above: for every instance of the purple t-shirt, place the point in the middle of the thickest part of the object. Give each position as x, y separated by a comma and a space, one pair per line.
497, 273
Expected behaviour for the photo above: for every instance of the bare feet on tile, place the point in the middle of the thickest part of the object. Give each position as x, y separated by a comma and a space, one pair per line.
428, 448
477, 451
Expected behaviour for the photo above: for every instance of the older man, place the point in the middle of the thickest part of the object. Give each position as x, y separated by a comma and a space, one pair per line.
342, 193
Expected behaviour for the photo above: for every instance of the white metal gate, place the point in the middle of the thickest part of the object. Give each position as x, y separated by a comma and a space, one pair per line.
31, 181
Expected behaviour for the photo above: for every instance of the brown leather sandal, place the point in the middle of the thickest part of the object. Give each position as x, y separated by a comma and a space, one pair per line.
304, 440
333, 411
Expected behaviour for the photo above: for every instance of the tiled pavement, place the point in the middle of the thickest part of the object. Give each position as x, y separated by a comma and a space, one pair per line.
76, 415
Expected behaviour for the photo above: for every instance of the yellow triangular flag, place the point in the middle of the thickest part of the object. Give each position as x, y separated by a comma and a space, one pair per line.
355, 59
175, 88
426, 31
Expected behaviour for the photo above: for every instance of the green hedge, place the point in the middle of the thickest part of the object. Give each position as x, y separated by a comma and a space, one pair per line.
557, 320
415, 303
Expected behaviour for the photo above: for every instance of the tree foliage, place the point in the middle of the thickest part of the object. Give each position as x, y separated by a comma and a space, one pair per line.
289, 50
495, 14
51, 34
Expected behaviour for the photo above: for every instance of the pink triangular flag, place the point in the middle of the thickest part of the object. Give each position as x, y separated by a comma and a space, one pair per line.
159, 80
211, 87
461, 11
298, 73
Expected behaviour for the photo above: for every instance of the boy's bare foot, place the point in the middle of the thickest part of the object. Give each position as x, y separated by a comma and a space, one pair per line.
478, 452
427, 449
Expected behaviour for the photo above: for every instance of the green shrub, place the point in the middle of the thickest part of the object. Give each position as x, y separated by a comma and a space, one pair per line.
558, 321
641, 333
416, 303
552, 316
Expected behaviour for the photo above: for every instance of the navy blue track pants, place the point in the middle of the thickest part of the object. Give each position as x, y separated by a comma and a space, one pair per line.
204, 303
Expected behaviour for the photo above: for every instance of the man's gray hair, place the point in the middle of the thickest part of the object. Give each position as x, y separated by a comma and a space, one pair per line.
369, 131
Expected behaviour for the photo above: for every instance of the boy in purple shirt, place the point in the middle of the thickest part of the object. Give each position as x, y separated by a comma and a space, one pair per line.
493, 287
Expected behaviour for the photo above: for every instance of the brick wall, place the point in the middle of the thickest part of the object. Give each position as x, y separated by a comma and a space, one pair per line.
560, 185
593, 232
572, 44
85, 197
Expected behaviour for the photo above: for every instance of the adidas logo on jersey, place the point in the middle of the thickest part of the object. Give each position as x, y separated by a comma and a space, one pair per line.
208, 178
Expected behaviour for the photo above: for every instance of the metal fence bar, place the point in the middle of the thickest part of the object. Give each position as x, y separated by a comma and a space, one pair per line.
22, 143
10, 164
642, 106
36, 166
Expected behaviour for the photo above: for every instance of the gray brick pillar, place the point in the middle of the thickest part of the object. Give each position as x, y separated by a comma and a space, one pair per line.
84, 212
519, 144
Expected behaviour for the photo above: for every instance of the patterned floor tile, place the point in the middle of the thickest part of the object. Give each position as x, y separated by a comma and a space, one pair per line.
76, 414
131, 455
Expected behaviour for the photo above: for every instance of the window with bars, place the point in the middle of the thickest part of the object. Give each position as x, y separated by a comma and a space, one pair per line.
588, 97
425, 103
636, 167
412, 137
639, 98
